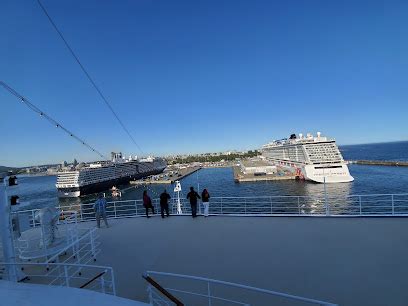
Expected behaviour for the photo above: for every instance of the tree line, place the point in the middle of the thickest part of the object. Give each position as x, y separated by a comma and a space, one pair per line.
212, 158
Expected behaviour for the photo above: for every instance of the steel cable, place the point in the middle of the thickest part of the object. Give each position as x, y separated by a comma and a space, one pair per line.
88, 75
48, 118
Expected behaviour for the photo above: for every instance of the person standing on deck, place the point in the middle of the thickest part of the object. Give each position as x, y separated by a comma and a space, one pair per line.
193, 196
147, 203
100, 210
205, 196
164, 203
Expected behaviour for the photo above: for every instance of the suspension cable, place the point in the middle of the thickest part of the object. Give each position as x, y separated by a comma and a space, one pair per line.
88, 75
48, 118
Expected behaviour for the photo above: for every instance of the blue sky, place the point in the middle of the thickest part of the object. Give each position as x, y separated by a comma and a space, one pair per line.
200, 76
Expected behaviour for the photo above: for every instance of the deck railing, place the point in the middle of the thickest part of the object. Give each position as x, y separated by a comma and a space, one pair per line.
193, 290
352, 205
64, 274
331, 206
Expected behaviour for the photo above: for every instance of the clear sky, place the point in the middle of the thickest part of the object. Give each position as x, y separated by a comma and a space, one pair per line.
199, 76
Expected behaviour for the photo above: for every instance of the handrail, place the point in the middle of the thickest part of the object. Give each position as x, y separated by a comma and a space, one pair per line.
51, 264
270, 292
274, 205
162, 290
65, 274
92, 279
274, 196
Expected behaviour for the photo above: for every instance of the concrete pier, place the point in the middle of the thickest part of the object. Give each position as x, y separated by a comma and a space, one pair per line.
240, 177
182, 173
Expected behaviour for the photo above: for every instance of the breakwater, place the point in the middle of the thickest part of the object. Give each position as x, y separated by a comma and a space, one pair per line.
380, 163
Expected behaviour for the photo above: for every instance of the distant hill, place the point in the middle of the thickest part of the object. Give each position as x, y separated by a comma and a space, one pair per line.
5, 169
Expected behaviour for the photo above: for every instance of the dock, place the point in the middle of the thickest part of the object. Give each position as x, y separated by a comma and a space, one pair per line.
240, 177
168, 177
379, 163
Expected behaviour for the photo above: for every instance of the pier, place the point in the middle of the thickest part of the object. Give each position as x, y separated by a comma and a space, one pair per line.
167, 177
379, 163
279, 175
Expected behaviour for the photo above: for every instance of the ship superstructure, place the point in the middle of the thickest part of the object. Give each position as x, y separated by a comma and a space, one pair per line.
104, 175
316, 158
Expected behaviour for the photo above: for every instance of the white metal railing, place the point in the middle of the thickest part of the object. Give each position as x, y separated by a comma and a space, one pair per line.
35, 246
207, 291
351, 205
96, 278
77, 244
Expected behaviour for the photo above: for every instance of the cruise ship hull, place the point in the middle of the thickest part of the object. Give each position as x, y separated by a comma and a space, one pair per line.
329, 174
316, 173
102, 186
316, 159
71, 192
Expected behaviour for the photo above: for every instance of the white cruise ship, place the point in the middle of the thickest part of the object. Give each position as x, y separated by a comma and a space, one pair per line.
102, 176
314, 158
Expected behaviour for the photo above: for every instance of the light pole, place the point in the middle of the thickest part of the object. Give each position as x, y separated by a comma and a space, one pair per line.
198, 190
325, 195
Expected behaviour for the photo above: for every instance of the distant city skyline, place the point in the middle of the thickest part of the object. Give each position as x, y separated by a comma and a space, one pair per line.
69, 162
196, 77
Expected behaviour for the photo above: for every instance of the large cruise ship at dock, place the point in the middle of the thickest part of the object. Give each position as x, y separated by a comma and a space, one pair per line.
101, 176
316, 158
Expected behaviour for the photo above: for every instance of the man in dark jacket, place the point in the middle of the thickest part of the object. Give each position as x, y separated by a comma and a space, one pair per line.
193, 196
164, 203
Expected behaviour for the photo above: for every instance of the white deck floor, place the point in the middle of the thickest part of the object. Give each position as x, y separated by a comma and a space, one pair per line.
348, 261
18, 294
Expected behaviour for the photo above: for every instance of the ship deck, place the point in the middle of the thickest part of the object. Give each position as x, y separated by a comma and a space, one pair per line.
343, 260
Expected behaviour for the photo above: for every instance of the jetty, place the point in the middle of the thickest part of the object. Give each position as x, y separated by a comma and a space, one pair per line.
278, 175
379, 163
167, 177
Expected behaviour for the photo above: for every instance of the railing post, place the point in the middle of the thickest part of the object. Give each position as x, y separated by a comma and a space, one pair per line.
359, 201
149, 289
245, 206
113, 281
114, 208
325, 198
221, 207
209, 293
66, 275
103, 284
270, 200
392, 203
33, 216
298, 203
136, 207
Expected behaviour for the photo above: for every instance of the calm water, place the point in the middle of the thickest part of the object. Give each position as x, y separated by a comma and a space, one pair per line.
394, 151
40, 191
